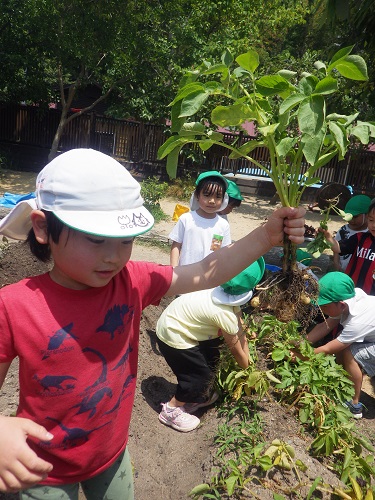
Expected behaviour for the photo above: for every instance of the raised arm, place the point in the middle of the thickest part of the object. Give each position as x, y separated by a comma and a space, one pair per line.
20, 467
220, 266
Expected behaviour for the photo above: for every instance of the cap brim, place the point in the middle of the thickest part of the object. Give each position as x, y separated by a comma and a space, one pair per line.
220, 297
194, 205
113, 224
17, 223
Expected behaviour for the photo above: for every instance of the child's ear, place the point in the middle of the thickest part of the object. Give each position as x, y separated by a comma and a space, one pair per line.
39, 222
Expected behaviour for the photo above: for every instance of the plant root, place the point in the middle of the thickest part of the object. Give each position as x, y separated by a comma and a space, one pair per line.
290, 296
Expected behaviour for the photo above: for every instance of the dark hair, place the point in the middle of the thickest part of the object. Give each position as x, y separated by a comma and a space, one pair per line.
372, 206
211, 185
54, 227
234, 202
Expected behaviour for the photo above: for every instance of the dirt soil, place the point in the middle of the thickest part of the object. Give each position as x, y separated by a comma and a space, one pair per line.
168, 464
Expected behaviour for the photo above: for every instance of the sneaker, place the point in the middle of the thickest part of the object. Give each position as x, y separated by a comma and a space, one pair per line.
355, 409
178, 418
193, 407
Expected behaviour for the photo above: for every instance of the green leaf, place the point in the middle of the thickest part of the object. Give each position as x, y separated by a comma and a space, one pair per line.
199, 489
312, 145
311, 115
172, 162
176, 122
170, 144
231, 484
287, 74
227, 58
319, 65
324, 159
192, 129
269, 129
353, 68
215, 136
307, 85
193, 102
271, 85
362, 133
248, 61
187, 90
226, 116
245, 149
339, 136
317, 481
326, 86
290, 102
285, 145
204, 145
345, 51
216, 68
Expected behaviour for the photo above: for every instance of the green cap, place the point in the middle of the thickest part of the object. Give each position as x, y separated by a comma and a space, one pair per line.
233, 191
358, 204
246, 280
304, 257
334, 287
210, 173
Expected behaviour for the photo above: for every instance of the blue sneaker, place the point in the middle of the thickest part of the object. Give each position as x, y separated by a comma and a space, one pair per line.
355, 409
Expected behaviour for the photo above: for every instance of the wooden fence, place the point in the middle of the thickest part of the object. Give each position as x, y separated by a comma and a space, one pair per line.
136, 144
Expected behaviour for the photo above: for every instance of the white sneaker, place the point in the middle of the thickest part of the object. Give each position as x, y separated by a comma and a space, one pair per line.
178, 418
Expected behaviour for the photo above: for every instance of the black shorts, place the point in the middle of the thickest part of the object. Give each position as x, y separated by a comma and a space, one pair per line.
194, 368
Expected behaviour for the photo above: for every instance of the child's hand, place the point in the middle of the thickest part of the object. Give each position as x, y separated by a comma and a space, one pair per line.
20, 467
286, 220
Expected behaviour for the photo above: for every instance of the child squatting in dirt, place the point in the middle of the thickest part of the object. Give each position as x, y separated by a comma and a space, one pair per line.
191, 331
355, 345
76, 328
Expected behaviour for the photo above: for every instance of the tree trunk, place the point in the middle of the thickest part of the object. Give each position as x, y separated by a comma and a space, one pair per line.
57, 137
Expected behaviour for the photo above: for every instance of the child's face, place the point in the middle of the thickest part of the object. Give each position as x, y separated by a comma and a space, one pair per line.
333, 309
210, 200
358, 222
371, 222
83, 261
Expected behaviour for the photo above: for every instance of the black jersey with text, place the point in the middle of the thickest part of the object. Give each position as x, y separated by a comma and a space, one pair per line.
361, 267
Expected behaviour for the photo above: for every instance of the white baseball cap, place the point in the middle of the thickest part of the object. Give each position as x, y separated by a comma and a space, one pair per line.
88, 191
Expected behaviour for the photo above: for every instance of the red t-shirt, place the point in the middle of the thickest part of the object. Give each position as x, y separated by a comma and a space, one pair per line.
78, 352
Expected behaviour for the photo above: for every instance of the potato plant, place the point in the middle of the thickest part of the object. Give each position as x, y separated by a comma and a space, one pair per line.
293, 121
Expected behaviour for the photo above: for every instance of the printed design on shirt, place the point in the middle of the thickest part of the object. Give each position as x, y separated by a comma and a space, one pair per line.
55, 385
122, 395
127, 222
365, 253
123, 360
217, 241
74, 436
90, 403
57, 339
103, 375
114, 320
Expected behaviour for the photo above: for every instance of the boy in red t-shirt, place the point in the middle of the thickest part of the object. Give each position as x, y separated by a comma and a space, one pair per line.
75, 329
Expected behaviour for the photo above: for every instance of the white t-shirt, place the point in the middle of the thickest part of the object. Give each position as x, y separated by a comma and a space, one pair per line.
345, 233
193, 318
359, 326
199, 236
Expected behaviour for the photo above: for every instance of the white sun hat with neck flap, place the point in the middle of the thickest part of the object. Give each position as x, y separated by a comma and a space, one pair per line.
88, 191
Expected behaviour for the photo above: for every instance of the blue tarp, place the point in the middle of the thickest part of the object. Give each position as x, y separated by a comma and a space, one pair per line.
10, 200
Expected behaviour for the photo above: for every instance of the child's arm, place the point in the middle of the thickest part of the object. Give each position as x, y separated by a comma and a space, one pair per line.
175, 253
220, 266
20, 467
332, 347
238, 345
322, 329
335, 245
336, 262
